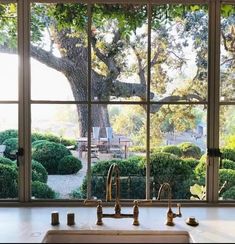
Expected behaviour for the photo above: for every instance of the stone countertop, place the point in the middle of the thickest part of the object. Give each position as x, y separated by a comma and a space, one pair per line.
30, 224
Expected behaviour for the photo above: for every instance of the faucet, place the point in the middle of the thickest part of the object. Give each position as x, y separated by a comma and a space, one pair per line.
117, 208
170, 214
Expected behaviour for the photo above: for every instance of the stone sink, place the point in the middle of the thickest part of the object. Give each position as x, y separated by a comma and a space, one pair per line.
116, 236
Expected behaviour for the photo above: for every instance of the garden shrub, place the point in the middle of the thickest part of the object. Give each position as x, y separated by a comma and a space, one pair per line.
42, 190
228, 153
192, 162
173, 150
39, 172
7, 134
69, 165
52, 138
229, 194
7, 161
49, 154
200, 169
228, 164
166, 167
190, 150
8, 181
227, 175
38, 142
11, 148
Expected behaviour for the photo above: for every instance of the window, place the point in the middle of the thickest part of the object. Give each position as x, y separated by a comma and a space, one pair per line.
148, 86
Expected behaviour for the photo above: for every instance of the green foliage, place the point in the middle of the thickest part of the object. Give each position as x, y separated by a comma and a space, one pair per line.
198, 192
229, 194
39, 172
190, 150
228, 164
38, 142
77, 194
42, 190
228, 153
173, 150
8, 181
11, 148
69, 165
228, 176
6, 161
166, 167
230, 142
49, 154
192, 162
7, 134
51, 138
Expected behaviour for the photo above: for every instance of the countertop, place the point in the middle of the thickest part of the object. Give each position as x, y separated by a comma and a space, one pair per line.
30, 224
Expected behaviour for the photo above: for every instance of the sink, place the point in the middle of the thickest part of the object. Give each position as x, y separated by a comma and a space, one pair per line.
117, 236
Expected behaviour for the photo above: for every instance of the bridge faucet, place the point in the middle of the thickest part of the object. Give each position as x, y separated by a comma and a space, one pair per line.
117, 209
170, 214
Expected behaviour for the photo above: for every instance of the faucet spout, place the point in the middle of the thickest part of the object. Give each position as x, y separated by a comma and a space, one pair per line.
113, 169
170, 214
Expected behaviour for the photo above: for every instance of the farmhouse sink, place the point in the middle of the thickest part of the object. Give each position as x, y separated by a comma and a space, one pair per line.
107, 236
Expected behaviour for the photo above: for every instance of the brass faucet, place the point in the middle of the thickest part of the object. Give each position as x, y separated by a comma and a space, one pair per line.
117, 209
170, 214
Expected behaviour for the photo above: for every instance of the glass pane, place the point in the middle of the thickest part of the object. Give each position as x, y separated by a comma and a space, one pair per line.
8, 52
179, 53
58, 170
227, 147
59, 51
8, 148
178, 145
227, 51
119, 52
119, 136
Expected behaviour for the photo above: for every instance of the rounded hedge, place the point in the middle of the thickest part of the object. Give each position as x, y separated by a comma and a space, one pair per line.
8, 181
69, 165
166, 167
38, 142
173, 150
49, 154
42, 190
228, 153
200, 169
7, 161
229, 194
39, 172
228, 164
11, 148
192, 162
190, 150
227, 175
7, 134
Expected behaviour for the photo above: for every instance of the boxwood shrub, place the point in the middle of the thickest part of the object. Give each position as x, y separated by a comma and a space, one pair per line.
227, 175
190, 150
228, 164
49, 154
38, 142
39, 172
7, 134
228, 153
42, 190
166, 167
192, 162
8, 181
69, 165
11, 148
7, 161
173, 150
229, 194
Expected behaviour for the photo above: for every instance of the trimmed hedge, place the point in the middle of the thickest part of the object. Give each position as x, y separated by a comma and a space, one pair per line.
38, 142
8, 181
69, 165
11, 148
190, 150
7, 134
229, 194
7, 161
42, 190
39, 172
228, 153
49, 154
192, 162
166, 167
173, 150
227, 175
228, 164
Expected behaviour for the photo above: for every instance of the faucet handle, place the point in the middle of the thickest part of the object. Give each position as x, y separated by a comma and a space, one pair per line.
179, 214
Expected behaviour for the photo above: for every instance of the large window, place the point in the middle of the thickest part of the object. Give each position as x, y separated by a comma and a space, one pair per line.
148, 86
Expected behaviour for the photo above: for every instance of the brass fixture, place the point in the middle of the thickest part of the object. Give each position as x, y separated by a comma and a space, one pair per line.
55, 218
70, 219
117, 208
170, 214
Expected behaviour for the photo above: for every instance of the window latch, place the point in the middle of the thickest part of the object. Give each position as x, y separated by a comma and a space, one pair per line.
214, 152
19, 153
